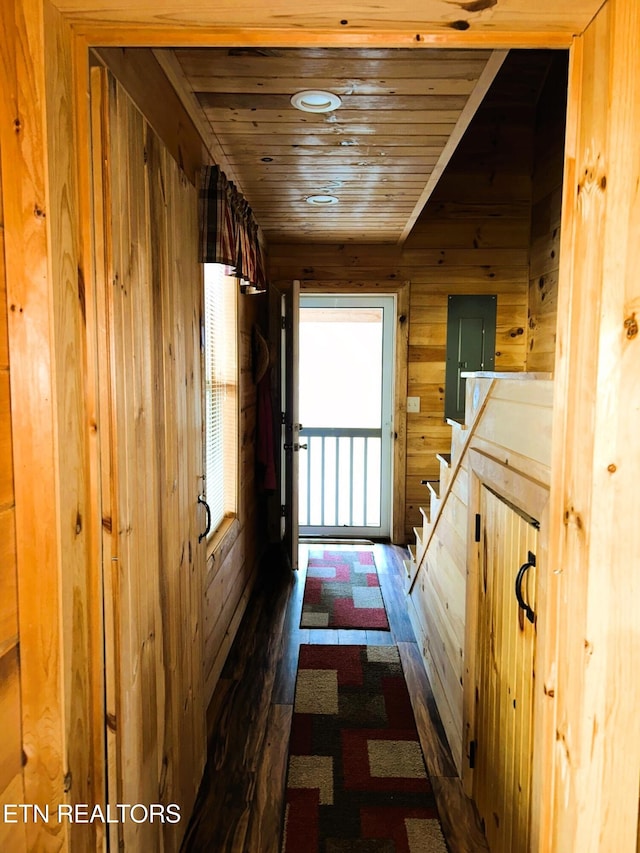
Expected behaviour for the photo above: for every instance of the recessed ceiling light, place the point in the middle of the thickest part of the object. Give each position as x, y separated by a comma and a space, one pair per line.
322, 200
315, 101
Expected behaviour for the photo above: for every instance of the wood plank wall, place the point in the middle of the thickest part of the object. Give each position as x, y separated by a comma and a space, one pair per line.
472, 237
514, 426
55, 517
232, 566
546, 211
592, 662
11, 779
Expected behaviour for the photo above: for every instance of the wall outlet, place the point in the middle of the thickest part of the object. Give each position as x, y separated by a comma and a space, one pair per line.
413, 404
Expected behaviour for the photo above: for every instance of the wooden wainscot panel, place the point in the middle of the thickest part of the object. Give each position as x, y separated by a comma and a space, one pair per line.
518, 418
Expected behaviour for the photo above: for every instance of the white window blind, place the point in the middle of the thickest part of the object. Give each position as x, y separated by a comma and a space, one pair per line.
221, 372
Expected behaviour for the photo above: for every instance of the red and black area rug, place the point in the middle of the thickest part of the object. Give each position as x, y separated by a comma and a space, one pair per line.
342, 590
356, 778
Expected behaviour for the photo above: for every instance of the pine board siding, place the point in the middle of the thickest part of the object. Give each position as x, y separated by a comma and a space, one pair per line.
546, 211
168, 627
11, 780
52, 521
400, 25
588, 749
232, 564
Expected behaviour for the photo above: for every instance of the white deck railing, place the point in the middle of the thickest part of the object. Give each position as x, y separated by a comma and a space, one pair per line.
339, 484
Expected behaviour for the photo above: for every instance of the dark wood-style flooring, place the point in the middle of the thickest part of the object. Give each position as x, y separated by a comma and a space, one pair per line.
239, 806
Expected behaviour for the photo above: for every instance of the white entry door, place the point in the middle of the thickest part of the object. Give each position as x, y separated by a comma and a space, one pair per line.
346, 358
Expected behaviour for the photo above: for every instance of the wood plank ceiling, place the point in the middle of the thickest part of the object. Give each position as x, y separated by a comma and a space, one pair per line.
379, 153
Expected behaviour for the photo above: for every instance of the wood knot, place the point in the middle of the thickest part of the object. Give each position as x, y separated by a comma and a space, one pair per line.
17, 125
460, 25
612, 468
631, 326
68, 781
38, 212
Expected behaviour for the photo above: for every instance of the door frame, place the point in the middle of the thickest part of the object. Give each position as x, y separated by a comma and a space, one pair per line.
402, 292
366, 300
531, 497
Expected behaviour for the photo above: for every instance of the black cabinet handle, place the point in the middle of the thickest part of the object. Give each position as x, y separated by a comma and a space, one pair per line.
207, 508
531, 561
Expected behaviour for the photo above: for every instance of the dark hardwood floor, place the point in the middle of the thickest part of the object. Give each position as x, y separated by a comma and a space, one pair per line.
239, 805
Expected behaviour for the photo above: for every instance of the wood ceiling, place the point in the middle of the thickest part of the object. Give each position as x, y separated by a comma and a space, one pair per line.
380, 153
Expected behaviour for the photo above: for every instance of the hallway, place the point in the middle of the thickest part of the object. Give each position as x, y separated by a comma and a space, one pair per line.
239, 804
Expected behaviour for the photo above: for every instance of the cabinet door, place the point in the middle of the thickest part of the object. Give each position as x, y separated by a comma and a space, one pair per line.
149, 286
505, 675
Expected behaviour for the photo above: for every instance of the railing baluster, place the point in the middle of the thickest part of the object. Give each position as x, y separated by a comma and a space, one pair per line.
337, 503
365, 467
351, 481
322, 483
310, 444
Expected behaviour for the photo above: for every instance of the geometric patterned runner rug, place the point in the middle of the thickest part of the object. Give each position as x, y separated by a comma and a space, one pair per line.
356, 779
342, 590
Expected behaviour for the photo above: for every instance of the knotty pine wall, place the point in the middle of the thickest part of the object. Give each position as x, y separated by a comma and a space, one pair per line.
472, 237
232, 565
11, 779
232, 559
546, 211
61, 726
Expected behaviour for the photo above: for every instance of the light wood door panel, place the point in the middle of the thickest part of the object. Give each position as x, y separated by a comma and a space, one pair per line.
505, 676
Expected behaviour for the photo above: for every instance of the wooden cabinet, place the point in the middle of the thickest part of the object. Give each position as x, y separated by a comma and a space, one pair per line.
506, 638
506, 633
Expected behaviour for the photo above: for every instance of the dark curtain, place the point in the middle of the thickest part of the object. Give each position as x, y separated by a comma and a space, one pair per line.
228, 230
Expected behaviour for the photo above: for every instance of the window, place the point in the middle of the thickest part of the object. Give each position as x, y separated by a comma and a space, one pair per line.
221, 381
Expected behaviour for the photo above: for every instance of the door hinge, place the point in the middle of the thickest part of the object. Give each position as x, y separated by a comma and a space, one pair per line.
283, 510
283, 418
283, 322
472, 754
478, 526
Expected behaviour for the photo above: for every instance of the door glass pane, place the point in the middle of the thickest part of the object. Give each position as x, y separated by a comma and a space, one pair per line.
340, 367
